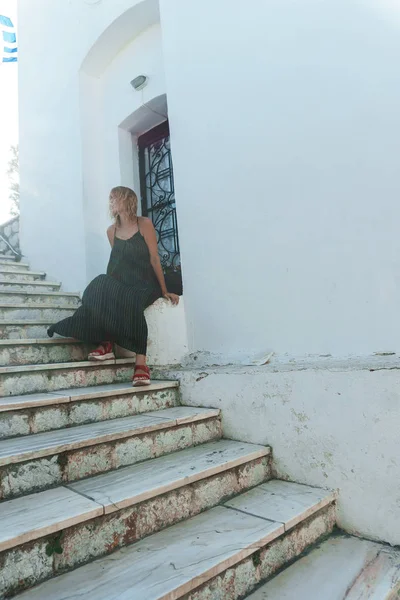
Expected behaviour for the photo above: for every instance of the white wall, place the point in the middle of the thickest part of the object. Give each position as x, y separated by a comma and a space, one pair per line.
332, 425
286, 147
108, 110
285, 130
54, 43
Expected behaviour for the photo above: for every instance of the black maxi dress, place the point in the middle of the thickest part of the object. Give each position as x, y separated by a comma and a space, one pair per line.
113, 305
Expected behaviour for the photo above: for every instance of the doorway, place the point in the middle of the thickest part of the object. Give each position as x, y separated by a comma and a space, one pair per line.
158, 199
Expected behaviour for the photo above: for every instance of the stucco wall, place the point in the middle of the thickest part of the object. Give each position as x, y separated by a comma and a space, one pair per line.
286, 142
285, 138
330, 424
56, 61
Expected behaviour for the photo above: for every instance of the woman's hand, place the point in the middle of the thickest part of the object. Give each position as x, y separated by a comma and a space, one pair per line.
172, 298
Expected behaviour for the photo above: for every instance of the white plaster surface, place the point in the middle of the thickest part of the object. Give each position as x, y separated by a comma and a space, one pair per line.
330, 423
340, 569
167, 341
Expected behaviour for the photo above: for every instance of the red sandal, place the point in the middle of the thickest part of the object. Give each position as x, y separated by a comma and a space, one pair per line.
103, 352
141, 376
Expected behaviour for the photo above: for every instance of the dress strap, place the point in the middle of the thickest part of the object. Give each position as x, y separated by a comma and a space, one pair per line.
138, 226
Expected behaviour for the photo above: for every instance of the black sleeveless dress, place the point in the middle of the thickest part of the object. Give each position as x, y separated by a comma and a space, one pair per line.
113, 305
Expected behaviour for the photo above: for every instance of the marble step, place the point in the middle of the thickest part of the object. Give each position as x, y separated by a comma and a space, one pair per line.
11, 274
6, 258
38, 298
222, 553
9, 265
37, 462
33, 517
342, 568
155, 494
21, 285
41, 351
50, 313
31, 379
24, 329
37, 413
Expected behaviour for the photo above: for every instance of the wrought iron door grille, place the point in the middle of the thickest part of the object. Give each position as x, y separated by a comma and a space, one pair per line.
158, 194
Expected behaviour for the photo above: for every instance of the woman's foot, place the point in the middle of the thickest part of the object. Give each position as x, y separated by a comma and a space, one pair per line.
103, 352
141, 376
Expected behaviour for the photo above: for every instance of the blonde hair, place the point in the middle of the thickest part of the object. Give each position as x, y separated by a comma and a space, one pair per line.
127, 198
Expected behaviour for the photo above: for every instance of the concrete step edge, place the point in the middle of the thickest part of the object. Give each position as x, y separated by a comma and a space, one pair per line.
12, 403
39, 445
140, 482
170, 564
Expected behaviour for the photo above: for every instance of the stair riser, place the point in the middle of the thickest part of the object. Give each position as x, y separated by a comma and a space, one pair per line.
24, 332
35, 354
39, 299
13, 266
10, 286
52, 315
241, 579
52, 380
47, 418
105, 534
57, 469
21, 275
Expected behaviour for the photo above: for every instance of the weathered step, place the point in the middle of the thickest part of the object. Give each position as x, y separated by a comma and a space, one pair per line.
11, 274
38, 298
37, 413
21, 285
51, 313
222, 553
6, 264
341, 567
41, 351
36, 462
23, 329
150, 496
6, 257
31, 379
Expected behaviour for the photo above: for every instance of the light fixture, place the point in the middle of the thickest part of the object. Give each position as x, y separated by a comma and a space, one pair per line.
139, 82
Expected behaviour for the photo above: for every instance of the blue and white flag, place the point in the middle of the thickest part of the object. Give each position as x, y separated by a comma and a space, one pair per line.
8, 40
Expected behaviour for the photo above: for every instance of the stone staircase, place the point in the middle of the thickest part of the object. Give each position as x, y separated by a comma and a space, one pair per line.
111, 492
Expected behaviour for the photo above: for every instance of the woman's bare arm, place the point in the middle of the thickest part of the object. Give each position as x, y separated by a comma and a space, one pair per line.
111, 234
150, 236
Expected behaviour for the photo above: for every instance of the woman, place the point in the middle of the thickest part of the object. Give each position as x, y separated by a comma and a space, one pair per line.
113, 305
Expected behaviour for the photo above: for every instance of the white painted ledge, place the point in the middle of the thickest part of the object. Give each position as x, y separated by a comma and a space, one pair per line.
167, 343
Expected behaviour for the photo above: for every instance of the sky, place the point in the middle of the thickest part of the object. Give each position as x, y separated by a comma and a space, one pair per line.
8, 112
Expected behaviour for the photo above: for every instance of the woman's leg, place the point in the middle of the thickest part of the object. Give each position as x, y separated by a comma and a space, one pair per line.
142, 372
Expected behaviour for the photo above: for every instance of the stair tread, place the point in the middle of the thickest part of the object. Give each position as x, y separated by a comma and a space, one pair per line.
25, 321
38, 293
66, 365
37, 515
38, 445
29, 341
36, 306
341, 567
168, 564
130, 485
20, 272
34, 516
76, 394
282, 501
25, 282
